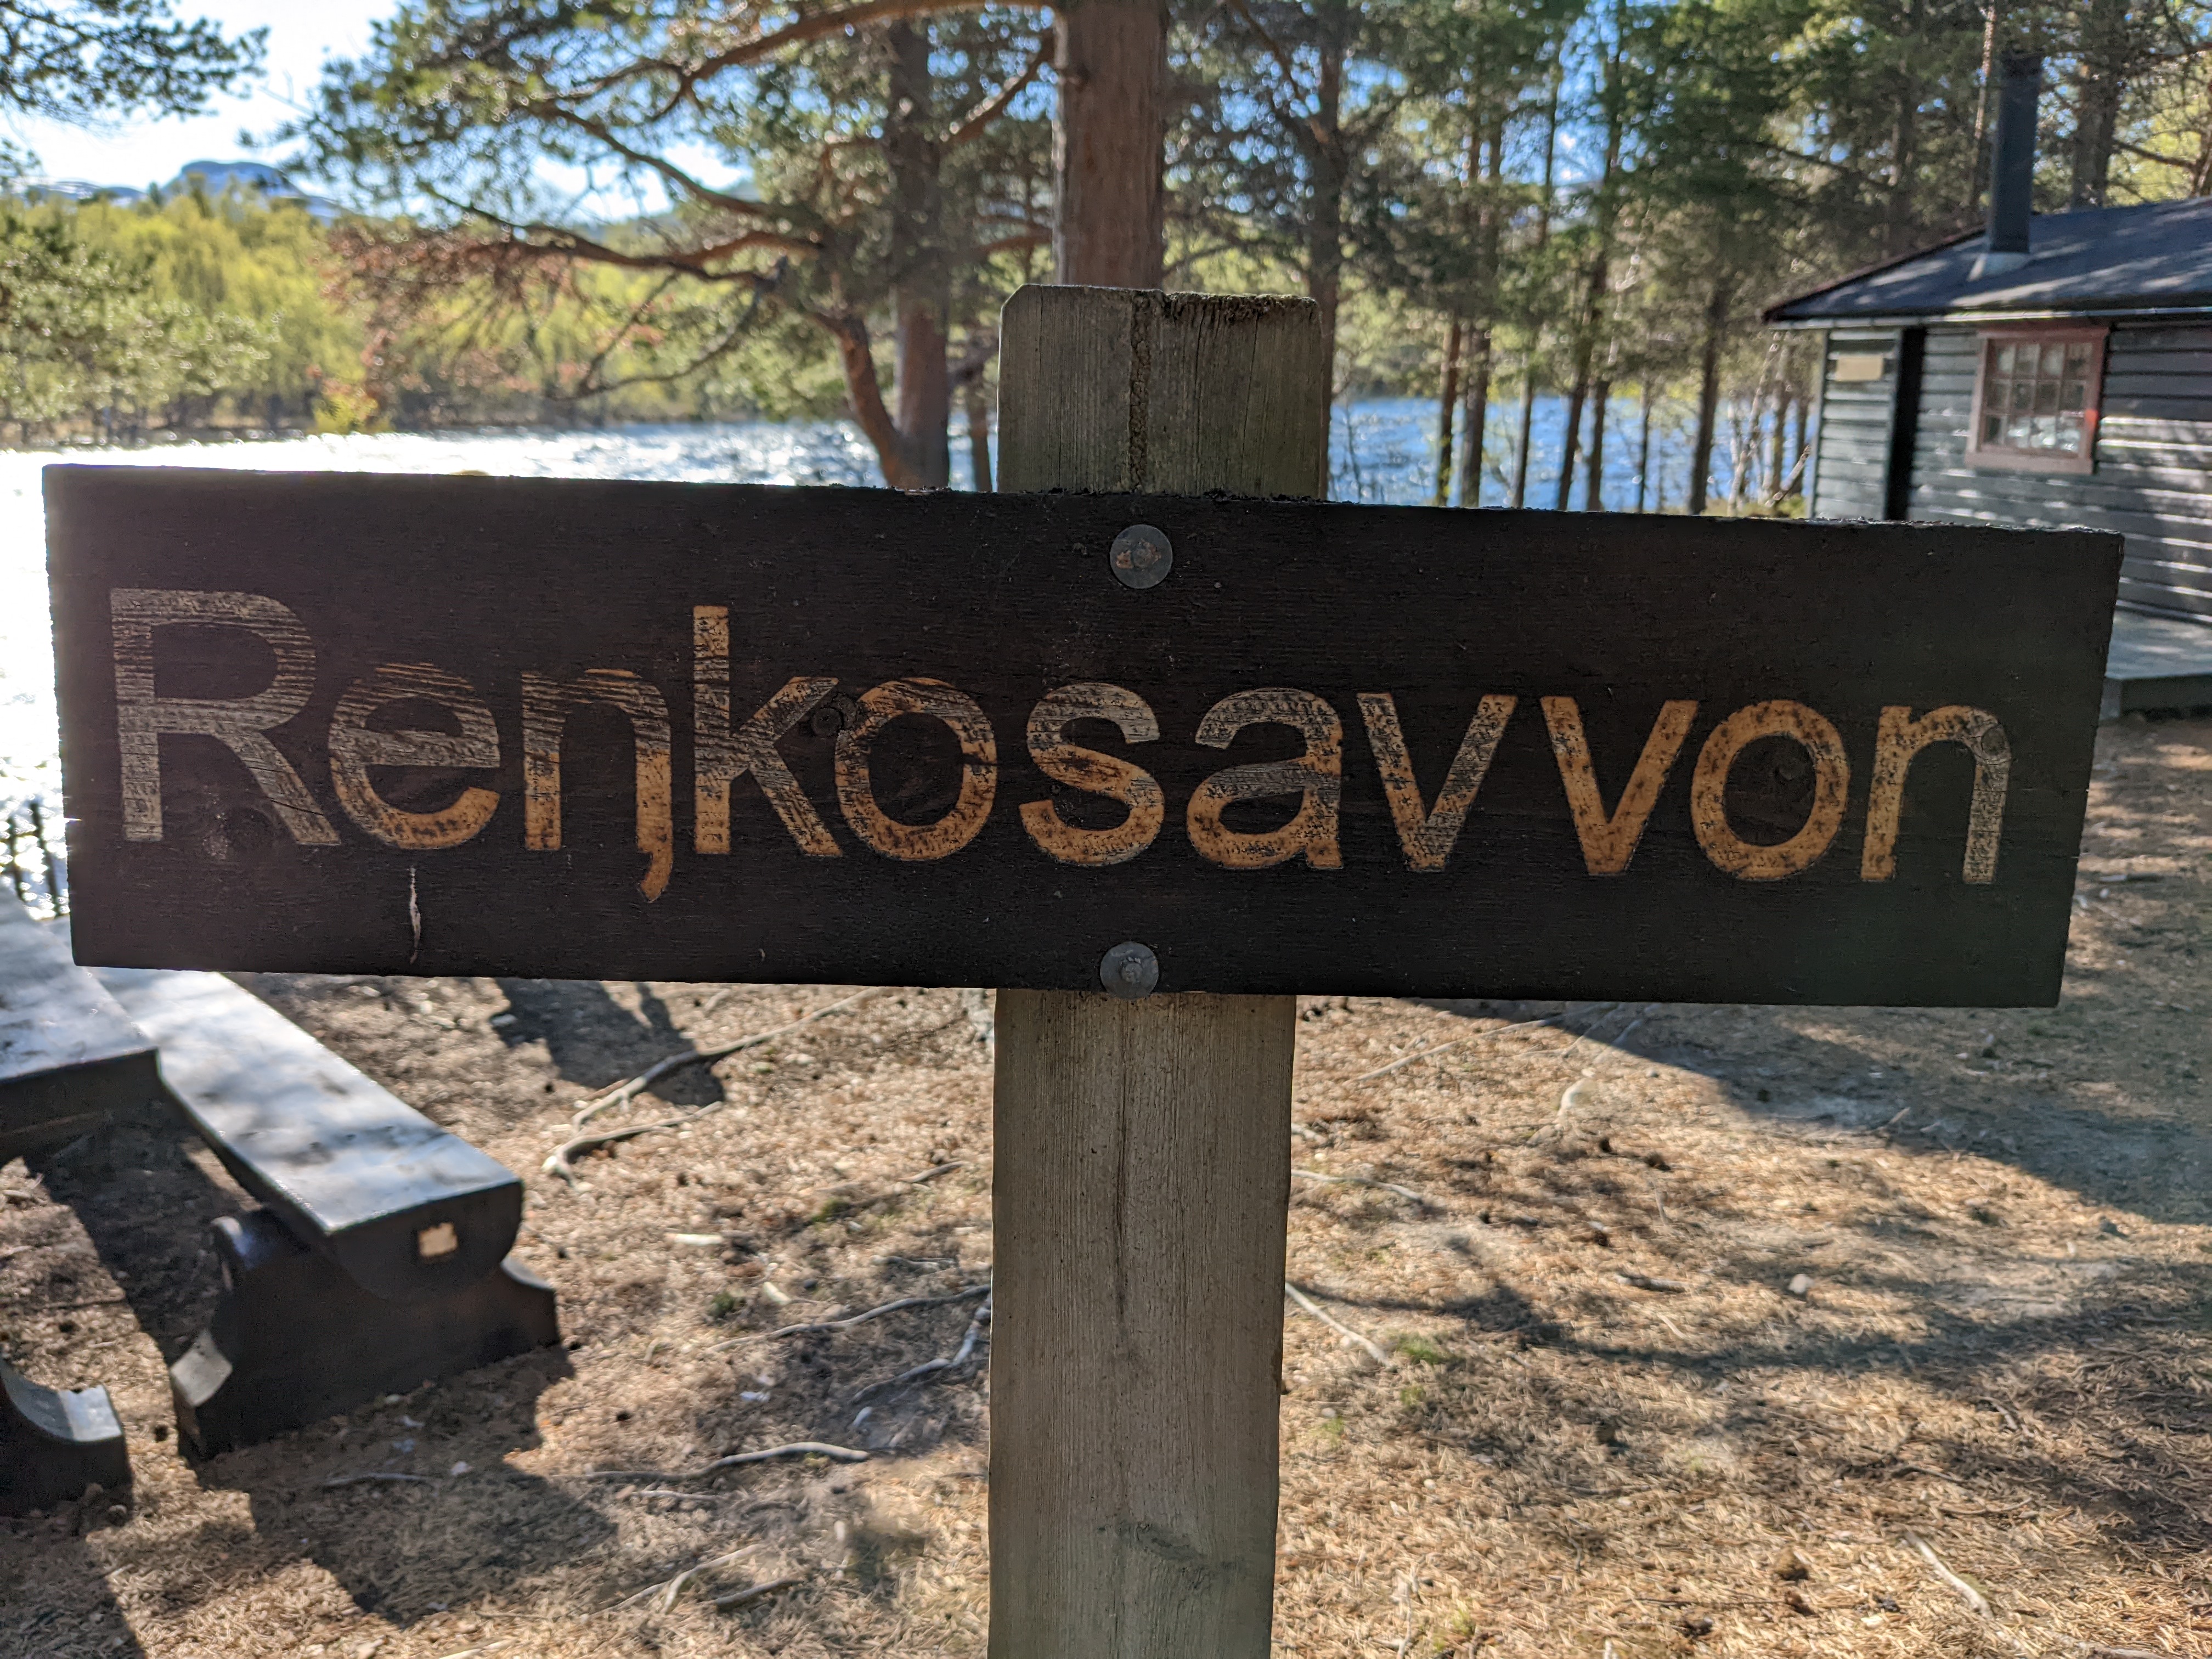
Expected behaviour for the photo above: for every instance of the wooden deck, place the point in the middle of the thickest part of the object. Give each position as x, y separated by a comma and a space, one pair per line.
2157, 663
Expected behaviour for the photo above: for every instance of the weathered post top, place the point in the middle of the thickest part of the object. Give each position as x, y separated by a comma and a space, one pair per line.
1113, 390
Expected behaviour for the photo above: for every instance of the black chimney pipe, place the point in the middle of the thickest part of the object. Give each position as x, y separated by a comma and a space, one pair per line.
2012, 165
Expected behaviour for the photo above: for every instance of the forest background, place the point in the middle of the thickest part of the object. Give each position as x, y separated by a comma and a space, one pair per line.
623, 210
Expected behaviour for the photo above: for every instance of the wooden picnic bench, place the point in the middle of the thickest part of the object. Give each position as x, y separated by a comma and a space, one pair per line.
69, 1059
380, 1259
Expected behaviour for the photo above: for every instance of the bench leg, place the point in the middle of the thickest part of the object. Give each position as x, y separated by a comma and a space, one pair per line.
294, 1339
54, 1443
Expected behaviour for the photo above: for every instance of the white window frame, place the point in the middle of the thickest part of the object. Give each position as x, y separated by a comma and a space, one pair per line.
2000, 458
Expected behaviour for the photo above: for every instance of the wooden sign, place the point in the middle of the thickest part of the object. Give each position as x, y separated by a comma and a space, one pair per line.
480, 725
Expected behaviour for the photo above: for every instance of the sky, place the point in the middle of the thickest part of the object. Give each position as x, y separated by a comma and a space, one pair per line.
142, 152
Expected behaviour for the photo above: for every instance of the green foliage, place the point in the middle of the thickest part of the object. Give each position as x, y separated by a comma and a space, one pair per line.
234, 257
68, 59
854, 174
86, 326
1420, 1350
207, 313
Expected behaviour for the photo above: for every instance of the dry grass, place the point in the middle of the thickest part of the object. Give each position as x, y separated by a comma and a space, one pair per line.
1997, 1348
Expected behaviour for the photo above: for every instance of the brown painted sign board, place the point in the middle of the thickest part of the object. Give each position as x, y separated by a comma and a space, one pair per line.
557, 728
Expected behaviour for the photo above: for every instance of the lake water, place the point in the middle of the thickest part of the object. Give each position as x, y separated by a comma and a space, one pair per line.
1380, 452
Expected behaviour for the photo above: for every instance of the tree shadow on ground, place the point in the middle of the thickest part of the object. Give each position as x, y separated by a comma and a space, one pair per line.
37, 1596
594, 1040
2102, 1402
406, 1550
2157, 1167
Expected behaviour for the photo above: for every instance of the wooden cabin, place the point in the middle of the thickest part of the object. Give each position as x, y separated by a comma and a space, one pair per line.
2050, 370
2073, 388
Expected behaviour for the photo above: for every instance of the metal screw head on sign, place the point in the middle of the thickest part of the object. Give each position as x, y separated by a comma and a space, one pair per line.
1141, 556
1130, 970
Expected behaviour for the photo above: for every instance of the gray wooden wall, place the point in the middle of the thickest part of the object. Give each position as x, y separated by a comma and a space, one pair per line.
2153, 476
1852, 457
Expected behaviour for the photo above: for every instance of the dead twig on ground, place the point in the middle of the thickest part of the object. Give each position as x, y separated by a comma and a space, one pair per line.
557, 1162
2003, 1410
754, 1592
856, 1319
560, 1162
796, 1448
1976, 1601
670, 1588
1604, 1015
932, 1174
930, 1368
1307, 1305
1368, 1180
630, 1088
364, 1479
1615, 1042
1438, 1048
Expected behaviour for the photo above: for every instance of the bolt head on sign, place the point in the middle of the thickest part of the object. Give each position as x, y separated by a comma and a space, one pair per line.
1141, 556
1130, 971
569, 728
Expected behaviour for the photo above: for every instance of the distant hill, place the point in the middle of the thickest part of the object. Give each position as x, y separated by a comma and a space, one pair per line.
217, 177
74, 190
253, 178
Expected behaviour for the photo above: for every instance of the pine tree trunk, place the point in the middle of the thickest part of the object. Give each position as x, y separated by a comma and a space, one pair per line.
1709, 390
1477, 420
1570, 441
1594, 482
1112, 65
1897, 234
1779, 448
2104, 49
912, 445
1644, 449
1592, 322
1528, 424
1476, 427
1797, 465
1447, 409
864, 390
1324, 144
1741, 452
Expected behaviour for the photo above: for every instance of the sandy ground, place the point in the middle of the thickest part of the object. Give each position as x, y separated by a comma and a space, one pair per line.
1740, 1331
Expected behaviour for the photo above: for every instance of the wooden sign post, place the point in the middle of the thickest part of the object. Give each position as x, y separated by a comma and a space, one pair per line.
1150, 763
1141, 1146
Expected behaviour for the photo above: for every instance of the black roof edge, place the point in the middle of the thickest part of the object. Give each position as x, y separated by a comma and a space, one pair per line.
1772, 313
2119, 314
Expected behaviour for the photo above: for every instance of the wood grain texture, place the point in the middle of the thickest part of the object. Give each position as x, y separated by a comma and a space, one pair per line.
349, 1169
1142, 1183
245, 846
1141, 1175
1120, 389
1852, 457
1108, 226
69, 1057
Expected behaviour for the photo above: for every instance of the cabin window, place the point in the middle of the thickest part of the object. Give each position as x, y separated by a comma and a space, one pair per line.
2035, 399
